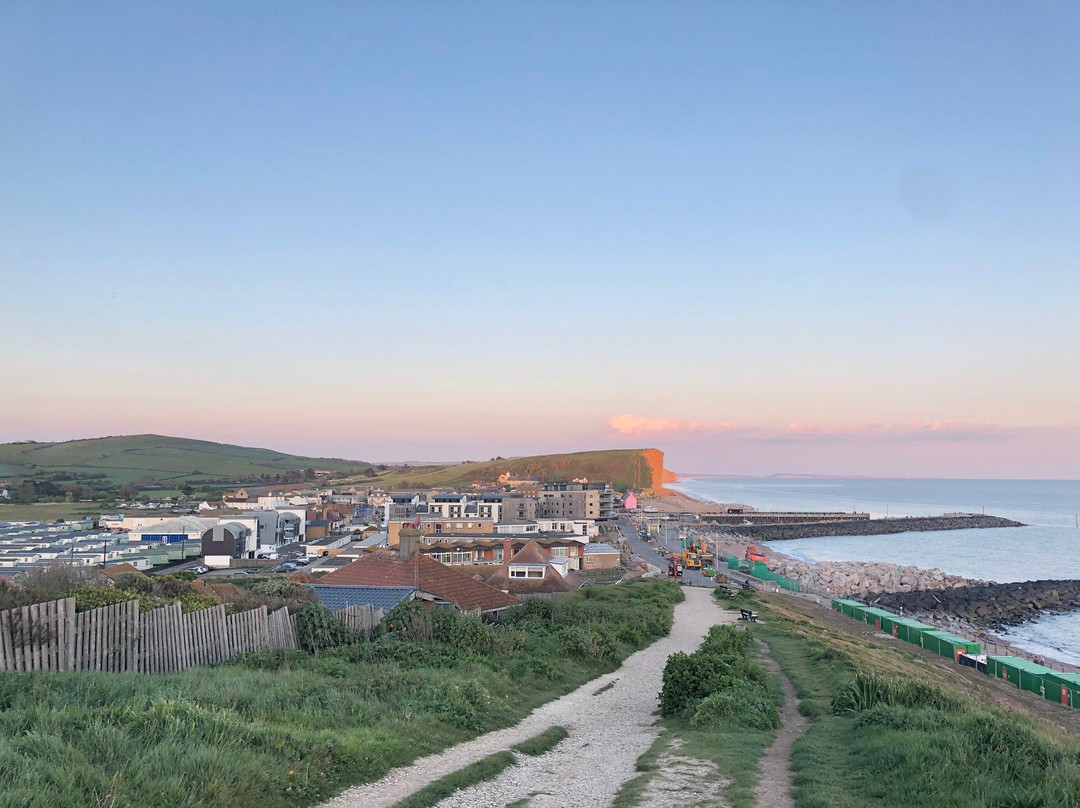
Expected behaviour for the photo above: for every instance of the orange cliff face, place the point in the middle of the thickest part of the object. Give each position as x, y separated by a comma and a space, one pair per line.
660, 475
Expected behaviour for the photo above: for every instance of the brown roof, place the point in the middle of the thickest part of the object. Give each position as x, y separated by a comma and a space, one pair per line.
532, 553
389, 569
117, 570
226, 593
303, 578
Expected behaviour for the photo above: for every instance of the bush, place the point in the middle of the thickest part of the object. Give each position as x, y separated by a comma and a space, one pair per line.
719, 666
95, 597
464, 632
318, 629
743, 704
584, 643
193, 602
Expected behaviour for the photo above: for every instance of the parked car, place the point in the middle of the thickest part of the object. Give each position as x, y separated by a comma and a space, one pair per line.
288, 566
250, 571
200, 569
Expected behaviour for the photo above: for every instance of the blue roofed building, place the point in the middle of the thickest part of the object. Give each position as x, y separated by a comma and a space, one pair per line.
380, 597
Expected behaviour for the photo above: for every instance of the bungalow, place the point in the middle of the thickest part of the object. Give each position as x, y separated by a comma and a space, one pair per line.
531, 572
413, 569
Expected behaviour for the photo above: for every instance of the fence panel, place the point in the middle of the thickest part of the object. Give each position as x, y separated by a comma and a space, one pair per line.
360, 618
119, 638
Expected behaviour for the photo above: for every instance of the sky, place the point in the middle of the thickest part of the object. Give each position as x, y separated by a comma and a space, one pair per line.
832, 238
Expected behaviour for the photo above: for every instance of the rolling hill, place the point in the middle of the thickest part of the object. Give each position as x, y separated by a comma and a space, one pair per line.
636, 469
128, 458
174, 462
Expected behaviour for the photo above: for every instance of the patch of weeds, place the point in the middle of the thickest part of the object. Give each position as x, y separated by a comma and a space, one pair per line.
544, 742
605, 688
484, 769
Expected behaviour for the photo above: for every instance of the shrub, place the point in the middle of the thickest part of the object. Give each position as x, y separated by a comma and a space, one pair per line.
193, 602
410, 620
464, 632
94, 597
584, 643
318, 629
743, 704
461, 702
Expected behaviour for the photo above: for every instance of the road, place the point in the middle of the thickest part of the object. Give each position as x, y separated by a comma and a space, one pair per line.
658, 551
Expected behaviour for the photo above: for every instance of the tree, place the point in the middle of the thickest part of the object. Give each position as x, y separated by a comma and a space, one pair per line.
187, 490
128, 491
26, 492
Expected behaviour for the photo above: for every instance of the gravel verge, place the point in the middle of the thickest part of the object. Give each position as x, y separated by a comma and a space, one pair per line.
608, 732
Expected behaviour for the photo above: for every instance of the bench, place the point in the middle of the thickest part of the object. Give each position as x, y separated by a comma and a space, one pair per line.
746, 614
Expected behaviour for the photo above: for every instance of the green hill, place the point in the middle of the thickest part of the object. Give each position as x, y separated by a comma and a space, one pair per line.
175, 461
98, 468
623, 468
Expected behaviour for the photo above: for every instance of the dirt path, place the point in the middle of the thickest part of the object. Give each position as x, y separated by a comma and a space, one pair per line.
608, 732
774, 769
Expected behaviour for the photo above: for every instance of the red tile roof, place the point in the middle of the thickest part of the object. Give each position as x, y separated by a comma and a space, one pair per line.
389, 569
552, 582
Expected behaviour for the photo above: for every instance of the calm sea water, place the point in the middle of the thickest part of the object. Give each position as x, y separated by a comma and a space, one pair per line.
1048, 547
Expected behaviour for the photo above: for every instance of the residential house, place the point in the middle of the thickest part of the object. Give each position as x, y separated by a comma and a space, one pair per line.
530, 571
410, 568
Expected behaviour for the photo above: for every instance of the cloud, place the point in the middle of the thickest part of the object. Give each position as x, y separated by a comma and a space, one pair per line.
638, 426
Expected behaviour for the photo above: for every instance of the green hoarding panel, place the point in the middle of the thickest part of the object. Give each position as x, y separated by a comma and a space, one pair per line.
1062, 688
931, 641
912, 630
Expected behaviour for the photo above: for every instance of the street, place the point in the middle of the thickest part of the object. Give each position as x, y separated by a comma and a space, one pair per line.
658, 552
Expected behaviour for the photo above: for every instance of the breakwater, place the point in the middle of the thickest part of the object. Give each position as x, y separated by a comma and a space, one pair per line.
860, 579
868, 527
988, 604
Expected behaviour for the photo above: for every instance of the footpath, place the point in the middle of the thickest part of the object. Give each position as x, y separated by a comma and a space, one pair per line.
608, 732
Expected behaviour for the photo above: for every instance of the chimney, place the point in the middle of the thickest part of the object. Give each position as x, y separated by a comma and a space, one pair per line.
506, 550
408, 542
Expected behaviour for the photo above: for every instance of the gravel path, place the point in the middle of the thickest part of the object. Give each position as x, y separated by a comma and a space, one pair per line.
608, 733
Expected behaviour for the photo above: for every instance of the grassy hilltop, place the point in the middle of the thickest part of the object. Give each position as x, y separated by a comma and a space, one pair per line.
128, 458
623, 468
73, 478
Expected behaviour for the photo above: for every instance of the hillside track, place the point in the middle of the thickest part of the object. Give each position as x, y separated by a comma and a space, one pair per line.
608, 732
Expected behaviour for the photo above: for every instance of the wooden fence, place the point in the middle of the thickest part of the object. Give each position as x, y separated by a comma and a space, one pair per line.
119, 639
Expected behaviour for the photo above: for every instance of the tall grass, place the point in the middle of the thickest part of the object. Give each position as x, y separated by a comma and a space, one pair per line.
883, 734
288, 729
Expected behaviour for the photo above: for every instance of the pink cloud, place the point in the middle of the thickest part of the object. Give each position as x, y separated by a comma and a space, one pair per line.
639, 426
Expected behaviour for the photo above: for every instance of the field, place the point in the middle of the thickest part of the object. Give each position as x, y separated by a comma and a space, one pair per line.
48, 511
623, 468
172, 463
284, 729
126, 459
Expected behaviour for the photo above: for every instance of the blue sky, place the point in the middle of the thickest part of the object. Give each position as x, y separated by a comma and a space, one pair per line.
465, 229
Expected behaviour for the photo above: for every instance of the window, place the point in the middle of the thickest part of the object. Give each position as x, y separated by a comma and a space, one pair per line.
559, 552
462, 556
536, 572
442, 557
517, 572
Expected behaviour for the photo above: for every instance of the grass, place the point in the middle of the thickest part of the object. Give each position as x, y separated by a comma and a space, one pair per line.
720, 706
478, 772
544, 742
48, 511
124, 459
284, 729
888, 729
633, 790
605, 688
623, 468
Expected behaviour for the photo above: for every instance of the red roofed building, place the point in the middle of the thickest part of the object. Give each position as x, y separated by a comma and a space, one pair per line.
530, 572
420, 572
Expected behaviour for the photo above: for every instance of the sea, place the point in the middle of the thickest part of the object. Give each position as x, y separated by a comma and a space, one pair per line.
1047, 547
